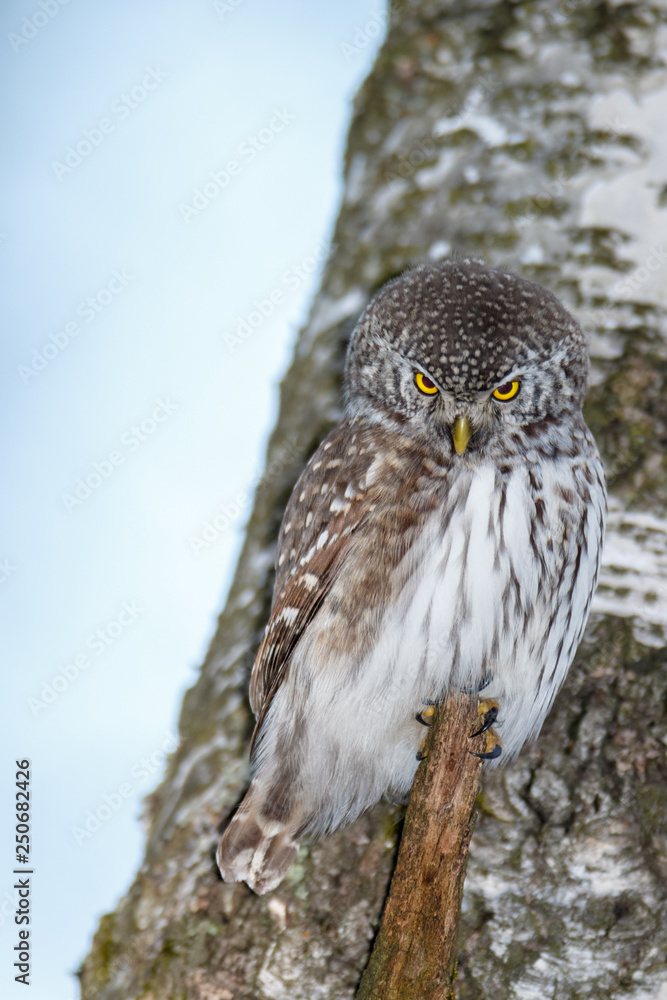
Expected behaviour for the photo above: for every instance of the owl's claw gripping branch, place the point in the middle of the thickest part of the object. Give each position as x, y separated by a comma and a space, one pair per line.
489, 712
490, 754
426, 716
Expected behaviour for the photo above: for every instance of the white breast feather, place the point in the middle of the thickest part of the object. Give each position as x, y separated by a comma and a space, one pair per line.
448, 628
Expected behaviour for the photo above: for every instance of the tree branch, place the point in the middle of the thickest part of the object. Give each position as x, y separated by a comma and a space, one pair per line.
414, 956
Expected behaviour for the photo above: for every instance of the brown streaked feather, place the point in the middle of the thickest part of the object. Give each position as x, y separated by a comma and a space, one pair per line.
281, 635
304, 572
357, 470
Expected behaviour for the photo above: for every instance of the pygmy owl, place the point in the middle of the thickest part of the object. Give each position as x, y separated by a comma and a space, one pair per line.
445, 536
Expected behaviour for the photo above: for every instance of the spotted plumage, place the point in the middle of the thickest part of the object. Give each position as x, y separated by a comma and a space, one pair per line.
441, 537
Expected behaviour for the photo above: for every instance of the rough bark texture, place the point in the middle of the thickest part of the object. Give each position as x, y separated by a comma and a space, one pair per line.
416, 949
532, 134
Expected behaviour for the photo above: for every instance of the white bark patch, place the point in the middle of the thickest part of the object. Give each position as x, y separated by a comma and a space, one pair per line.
627, 199
633, 577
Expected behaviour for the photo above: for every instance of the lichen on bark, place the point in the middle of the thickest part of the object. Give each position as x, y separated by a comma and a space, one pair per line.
531, 134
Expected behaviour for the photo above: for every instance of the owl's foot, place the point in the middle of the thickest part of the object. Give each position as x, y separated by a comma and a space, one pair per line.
426, 716
494, 748
488, 711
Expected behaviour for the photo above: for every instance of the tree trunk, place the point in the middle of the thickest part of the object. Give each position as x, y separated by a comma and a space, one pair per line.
532, 134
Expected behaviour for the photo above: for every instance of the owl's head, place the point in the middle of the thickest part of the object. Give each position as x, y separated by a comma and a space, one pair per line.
463, 356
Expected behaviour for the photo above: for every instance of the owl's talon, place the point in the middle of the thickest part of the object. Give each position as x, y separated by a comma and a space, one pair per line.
494, 747
476, 688
489, 717
490, 755
426, 716
488, 710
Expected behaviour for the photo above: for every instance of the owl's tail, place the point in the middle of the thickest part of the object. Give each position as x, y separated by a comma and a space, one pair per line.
255, 849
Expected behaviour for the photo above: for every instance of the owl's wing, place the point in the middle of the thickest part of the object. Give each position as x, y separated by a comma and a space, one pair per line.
320, 520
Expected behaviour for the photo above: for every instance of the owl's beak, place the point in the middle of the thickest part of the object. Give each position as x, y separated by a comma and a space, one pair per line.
461, 434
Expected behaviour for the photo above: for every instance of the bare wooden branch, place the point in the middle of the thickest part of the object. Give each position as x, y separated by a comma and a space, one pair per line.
414, 956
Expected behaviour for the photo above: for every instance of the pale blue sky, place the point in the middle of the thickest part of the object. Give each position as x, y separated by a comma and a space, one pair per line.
130, 414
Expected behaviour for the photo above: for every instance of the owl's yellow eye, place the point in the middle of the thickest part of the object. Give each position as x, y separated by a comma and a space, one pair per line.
506, 391
425, 385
